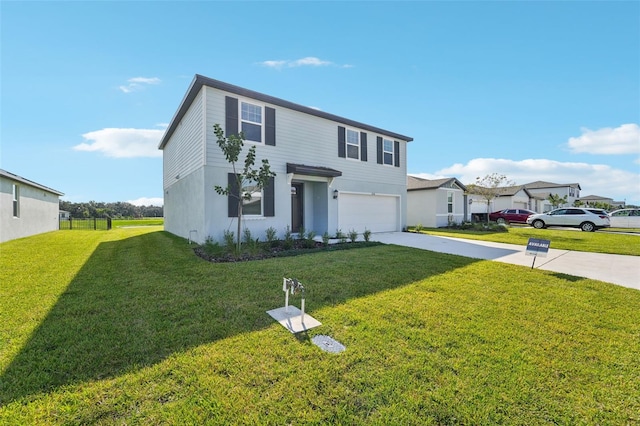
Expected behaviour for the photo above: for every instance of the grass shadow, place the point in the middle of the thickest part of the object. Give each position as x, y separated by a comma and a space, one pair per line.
138, 300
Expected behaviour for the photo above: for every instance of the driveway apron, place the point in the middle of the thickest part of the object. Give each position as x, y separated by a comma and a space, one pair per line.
612, 268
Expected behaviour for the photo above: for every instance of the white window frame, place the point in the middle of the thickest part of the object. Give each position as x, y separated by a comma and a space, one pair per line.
350, 143
16, 200
244, 213
249, 120
450, 198
385, 151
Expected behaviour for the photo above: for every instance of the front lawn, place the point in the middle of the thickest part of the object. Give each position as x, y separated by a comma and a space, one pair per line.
128, 326
564, 239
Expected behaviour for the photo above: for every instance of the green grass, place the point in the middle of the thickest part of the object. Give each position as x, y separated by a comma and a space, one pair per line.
129, 327
147, 221
597, 242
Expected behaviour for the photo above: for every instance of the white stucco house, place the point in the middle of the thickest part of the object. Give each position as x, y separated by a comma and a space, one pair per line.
541, 190
26, 207
332, 173
434, 203
509, 197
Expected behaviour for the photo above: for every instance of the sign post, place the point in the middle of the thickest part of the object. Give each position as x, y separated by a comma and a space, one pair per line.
537, 247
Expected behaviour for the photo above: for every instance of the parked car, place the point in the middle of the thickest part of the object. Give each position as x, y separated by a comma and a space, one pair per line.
625, 218
511, 215
586, 219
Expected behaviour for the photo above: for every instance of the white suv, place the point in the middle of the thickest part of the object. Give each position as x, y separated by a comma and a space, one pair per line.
588, 220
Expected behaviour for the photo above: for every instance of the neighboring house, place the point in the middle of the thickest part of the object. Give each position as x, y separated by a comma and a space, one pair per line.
435, 203
26, 207
591, 200
509, 197
331, 172
540, 192
64, 215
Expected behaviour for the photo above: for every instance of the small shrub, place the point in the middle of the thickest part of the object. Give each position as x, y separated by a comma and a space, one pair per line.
353, 235
271, 235
246, 236
309, 240
418, 228
342, 237
229, 241
212, 248
301, 233
366, 234
325, 238
287, 243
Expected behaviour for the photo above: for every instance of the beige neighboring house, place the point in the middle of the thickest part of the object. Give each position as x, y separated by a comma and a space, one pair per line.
541, 190
510, 197
591, 200
26, 207
435, 203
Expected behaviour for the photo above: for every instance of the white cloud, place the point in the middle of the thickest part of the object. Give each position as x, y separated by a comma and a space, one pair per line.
138, 83
146, 201
123, 143
621, 140
309, 61
594, 179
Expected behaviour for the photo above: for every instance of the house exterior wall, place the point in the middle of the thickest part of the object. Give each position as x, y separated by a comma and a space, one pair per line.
38, 210
519, 200
429, 207
543, 205
194, 164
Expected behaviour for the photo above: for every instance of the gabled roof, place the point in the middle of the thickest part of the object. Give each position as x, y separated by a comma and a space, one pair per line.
199, 81
541, 184
595, 198
416, 183
505, 191
17, 178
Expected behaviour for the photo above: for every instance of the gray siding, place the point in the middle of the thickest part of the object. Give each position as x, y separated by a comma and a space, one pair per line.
184, 153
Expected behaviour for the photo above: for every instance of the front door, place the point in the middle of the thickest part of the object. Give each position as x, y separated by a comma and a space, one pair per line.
296, 207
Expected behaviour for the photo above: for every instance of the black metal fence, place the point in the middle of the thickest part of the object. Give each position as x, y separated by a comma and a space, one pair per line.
92, 223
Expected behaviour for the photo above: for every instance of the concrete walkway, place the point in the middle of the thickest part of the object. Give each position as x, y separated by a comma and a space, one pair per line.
612, 268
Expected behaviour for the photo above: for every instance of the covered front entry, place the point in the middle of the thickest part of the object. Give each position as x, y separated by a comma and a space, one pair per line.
310, 197
375, 212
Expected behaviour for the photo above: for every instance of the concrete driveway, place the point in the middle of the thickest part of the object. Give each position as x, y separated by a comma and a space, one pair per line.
612, 268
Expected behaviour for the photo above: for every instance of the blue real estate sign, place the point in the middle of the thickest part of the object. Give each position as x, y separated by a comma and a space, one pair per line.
538, 247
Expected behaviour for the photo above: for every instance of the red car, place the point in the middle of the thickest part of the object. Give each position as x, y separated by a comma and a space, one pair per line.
511, 215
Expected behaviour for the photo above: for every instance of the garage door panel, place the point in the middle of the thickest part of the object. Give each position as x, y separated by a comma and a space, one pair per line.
377, 213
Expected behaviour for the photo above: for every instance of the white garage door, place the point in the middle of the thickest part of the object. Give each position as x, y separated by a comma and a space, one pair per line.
377, 213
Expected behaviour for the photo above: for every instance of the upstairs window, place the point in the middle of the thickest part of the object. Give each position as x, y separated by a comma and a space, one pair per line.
387, 152
449, 202
251, 121
353, 144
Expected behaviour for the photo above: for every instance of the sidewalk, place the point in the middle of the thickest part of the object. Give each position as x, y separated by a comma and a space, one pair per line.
612, 268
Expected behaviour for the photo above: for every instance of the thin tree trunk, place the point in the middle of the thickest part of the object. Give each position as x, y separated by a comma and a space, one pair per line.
239, 226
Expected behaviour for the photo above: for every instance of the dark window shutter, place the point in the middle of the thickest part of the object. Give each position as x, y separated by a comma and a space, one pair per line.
379, 149
269, 199
396, 153
363, 146
231, 111
234, 195
270, 126
342, 144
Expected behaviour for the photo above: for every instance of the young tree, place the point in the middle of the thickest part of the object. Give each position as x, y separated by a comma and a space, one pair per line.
556, 200
248, 179
489, 187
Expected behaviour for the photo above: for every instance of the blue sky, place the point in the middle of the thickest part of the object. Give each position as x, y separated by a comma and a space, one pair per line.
532, 90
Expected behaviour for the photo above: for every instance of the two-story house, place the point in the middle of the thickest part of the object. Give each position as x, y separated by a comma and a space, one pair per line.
332, 173
540, 192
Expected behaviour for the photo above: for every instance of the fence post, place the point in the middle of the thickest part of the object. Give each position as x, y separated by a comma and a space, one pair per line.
108, 223
70, 223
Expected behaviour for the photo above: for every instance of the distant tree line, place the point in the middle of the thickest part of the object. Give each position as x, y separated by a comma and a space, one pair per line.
113, 210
